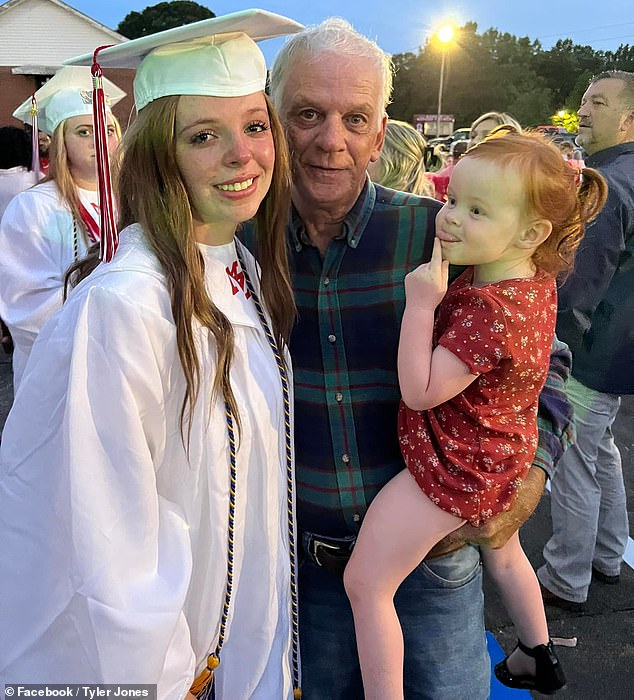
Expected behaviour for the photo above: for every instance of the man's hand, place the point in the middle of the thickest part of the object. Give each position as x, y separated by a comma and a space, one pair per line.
496, 532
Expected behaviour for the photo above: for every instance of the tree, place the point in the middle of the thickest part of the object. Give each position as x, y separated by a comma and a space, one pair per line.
581, 85
165, 15
531, 105
563, 64
495, 71
621, 59
484, 72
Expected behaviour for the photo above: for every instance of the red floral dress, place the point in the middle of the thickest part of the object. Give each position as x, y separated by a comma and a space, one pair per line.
470, 454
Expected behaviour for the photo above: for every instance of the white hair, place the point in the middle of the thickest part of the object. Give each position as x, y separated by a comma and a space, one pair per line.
334, 35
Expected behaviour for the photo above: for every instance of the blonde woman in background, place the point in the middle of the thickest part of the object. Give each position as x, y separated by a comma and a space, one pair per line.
488, 121
47, 227
401, 165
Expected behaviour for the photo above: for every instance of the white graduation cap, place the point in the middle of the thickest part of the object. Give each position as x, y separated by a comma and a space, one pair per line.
216, 57
67, 94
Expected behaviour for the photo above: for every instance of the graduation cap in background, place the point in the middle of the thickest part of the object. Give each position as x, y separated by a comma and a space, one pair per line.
67, 94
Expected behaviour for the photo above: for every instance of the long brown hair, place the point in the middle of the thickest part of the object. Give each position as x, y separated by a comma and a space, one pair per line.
552, 192
152, 193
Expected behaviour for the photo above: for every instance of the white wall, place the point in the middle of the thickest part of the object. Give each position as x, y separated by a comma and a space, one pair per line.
39, 32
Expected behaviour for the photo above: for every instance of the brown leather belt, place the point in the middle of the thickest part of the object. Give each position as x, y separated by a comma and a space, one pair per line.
329, 553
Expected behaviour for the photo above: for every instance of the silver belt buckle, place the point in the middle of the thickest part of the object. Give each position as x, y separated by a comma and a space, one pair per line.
317, 544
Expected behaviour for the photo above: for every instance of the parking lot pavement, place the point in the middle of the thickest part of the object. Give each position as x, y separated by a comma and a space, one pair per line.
601, 664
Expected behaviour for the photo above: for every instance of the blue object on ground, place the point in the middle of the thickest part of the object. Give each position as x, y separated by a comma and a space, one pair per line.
499, 691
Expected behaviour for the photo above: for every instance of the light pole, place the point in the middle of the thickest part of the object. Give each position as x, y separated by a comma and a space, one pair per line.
444, 35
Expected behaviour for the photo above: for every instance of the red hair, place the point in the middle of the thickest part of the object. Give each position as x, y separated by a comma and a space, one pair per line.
551, 191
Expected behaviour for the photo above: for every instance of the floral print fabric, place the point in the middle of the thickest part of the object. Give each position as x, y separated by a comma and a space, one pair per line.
470, 454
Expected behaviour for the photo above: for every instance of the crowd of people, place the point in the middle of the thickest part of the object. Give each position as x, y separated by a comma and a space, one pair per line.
268, 428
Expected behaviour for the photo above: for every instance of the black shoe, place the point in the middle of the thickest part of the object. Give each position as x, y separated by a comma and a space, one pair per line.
604, 578
551, 598
549, 676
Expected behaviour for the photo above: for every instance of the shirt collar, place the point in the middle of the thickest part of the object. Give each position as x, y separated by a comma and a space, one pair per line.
354, 222
609, 154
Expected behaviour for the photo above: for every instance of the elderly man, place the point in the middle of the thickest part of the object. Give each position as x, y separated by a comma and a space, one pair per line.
352, 243
596, 308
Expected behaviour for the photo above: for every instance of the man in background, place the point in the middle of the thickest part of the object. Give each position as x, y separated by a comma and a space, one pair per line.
596, 320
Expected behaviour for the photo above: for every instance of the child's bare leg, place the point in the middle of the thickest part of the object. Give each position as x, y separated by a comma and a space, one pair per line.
400, 527
512, 572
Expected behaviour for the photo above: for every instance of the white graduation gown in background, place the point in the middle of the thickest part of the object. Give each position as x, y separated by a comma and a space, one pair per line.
113, 556
36, 248
15, 180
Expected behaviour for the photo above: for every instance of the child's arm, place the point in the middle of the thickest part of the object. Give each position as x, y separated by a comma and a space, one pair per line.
427, 376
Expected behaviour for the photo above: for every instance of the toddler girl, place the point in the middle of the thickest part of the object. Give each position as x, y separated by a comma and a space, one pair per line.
470, 385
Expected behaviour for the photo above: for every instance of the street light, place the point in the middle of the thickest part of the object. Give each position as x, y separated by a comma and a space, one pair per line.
444, 35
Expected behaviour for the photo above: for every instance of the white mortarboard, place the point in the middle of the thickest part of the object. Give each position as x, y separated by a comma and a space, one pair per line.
216, 57
67, 94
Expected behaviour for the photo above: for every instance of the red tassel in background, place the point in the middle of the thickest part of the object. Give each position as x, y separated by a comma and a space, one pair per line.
109, 233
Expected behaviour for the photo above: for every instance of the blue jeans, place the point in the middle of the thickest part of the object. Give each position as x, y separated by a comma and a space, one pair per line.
441, 609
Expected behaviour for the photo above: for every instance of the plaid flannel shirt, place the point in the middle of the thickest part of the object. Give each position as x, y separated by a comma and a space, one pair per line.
344, 351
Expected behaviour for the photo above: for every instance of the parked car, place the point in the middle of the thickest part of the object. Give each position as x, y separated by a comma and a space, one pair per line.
458, 135
555, 132
440, 141
461, 134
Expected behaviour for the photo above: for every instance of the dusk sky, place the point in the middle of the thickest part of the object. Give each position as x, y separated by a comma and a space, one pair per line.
402, 25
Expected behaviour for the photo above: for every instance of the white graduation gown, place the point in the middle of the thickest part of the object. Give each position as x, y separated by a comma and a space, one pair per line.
113, 556
36, 248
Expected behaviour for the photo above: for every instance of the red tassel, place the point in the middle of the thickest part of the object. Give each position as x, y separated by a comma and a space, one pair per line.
35, 141
109, 233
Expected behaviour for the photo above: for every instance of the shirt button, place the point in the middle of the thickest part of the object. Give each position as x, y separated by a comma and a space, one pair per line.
332, 337
338, 397
345, 458
356, 517
326, 281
